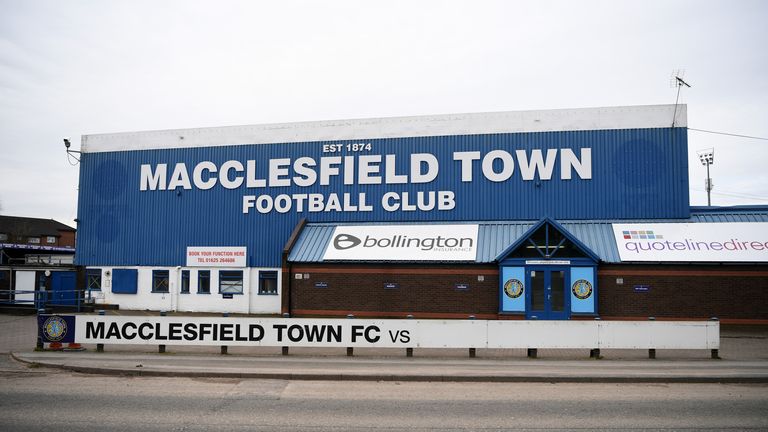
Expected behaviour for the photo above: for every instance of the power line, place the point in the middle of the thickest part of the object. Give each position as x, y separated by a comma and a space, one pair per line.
747, 195
734, 195
729, 134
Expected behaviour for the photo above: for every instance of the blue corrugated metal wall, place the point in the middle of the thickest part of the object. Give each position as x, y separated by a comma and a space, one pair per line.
639, 173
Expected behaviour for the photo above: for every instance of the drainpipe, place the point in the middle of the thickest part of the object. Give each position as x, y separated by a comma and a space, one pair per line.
175, 291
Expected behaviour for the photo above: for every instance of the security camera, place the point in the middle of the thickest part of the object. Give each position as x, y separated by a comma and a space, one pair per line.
66, 143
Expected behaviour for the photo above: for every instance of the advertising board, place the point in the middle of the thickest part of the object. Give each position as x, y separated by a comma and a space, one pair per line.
693, 242
403, 243
198, 256
409, 333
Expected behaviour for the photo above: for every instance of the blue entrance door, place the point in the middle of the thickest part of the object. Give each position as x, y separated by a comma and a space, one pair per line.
547, 298
63, 286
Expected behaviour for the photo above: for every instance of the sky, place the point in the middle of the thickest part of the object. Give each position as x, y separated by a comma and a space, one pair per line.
72, 68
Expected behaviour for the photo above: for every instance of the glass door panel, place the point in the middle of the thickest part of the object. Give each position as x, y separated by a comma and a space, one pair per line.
538, 291
557, 294
548, 297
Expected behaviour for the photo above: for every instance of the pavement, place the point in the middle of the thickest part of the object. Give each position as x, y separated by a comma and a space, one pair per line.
743, 359
403, 369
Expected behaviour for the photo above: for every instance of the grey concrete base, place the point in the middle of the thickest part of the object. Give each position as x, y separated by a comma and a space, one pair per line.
407, 369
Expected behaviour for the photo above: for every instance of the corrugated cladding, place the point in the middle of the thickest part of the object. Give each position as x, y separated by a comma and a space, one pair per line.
637, 173
495, 237
735, 214
312, 243
597, 236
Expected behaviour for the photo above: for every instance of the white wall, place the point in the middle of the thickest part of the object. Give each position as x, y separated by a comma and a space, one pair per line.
144, 299
213, 302
265, 304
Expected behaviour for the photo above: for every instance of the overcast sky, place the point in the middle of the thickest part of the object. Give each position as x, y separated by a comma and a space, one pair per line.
69, 68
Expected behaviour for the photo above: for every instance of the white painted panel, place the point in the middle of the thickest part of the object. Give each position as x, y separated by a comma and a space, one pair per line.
450, 334
630, 117
625, 334
713, 335
659, 335
25, 281
542, 334
679, 335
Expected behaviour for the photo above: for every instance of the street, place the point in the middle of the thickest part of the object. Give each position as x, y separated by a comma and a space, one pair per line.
38, 399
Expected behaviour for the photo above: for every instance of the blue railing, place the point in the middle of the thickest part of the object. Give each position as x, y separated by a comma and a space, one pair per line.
42, 299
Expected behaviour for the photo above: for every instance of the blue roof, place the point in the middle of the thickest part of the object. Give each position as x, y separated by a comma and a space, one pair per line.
496, 236
578, 243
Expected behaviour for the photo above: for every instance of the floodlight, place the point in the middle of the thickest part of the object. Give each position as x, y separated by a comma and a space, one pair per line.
707, 158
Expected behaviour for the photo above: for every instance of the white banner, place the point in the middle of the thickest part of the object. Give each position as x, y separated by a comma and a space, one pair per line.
403, 243
411, 333
203, 256
693, 242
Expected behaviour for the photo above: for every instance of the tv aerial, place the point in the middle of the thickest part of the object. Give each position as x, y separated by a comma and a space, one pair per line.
676, 80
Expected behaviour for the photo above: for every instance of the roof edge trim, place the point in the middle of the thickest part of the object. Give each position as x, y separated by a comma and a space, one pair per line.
557, 120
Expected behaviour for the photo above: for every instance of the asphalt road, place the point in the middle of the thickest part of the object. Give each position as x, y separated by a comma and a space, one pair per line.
37, 399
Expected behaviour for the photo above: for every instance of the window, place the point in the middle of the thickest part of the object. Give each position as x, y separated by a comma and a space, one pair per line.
50, 239
160, 281
231, 282
33, 240
547, 242
93, 279
268, 283
185, 282
125, 281
204, 282
3, 237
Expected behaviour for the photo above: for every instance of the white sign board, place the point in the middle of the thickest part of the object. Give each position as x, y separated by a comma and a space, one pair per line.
403, 243
202, 256
411, 333
693, 242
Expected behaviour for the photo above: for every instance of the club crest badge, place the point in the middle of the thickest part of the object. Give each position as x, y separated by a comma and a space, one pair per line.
513, 288
55, 328
582, 289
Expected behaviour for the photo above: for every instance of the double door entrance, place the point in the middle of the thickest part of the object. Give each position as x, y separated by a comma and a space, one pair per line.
547, 274
548, 294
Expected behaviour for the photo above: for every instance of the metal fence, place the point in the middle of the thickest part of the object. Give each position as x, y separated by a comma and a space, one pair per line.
38, 299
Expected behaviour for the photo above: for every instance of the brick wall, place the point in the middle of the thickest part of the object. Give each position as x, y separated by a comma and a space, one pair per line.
676, 291
67, 239
421, 291
679, 291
